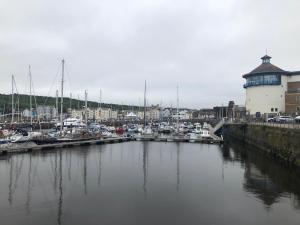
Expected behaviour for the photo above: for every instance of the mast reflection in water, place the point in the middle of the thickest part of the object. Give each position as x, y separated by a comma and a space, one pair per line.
147, 183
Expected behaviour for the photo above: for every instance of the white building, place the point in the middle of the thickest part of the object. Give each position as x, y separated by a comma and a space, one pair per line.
97, 114
153, 113
46, 112
266, 87
183, 115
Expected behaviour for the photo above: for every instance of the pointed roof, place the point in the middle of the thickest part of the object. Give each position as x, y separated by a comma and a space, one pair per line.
265, 68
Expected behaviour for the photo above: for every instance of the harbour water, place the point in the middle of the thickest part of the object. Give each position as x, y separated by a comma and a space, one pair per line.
147, 183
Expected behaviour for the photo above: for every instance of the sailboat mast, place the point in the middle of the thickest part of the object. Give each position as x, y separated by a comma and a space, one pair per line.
30, 96
12, 99
145, 104
56, 103
62, 95
100, 98
85, 108
70, 101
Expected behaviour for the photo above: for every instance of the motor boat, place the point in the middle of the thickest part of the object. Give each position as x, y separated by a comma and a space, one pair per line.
205, 133
132, 128
147, 134
197, 129
72, 122
164, 128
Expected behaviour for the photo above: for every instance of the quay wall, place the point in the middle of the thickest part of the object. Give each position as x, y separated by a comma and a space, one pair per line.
281, 143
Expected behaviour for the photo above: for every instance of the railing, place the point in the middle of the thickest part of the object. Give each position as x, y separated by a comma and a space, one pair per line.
292, 125
280, 125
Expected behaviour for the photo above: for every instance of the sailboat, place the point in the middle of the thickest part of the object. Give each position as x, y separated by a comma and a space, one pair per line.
17, 135
147, 133
178, 132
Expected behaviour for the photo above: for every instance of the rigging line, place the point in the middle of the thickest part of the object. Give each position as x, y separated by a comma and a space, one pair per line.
52, 84
18, 96
68, 77
15, 85
33, 91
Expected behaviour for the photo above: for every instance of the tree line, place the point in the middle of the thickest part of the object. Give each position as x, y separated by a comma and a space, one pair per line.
22, 102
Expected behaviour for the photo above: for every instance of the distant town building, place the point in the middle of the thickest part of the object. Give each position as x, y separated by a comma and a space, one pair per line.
182, 114
166, 113
98, 114
203, 114
231, 111
26, 113
220, 111
271, 90
153, 113
45, 112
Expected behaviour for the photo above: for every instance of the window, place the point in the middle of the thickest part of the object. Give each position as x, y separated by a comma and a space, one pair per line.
263, 80
272, 109
276, 110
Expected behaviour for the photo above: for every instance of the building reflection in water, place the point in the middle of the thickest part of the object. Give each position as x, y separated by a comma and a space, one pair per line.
265, 179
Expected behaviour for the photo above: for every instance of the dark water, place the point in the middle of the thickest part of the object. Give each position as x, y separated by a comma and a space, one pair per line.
147, 183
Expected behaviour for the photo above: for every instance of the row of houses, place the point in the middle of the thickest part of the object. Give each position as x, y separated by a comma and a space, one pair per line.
154, 112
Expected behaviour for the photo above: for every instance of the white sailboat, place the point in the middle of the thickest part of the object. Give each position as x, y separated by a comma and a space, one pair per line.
147, 133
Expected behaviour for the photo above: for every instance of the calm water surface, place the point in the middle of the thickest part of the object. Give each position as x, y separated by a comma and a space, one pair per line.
147, 183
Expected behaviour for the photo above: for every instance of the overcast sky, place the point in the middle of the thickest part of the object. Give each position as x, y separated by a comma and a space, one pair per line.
203, 46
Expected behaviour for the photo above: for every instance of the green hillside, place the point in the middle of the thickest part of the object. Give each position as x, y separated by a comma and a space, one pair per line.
5, 103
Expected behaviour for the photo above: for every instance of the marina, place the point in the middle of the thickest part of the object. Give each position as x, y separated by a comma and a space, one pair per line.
28, 147
150, 112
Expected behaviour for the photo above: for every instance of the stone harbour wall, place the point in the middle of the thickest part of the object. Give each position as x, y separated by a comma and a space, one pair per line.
281, 143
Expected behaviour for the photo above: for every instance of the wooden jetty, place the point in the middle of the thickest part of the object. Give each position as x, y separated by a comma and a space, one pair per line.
214, 140
170, 139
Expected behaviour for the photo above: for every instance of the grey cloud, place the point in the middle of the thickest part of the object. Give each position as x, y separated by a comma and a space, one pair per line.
203, 46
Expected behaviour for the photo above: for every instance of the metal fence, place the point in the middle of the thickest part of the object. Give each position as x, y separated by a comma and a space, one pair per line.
280, 125
292, 125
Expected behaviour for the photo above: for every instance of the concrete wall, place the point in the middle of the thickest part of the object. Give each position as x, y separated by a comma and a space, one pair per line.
282, 143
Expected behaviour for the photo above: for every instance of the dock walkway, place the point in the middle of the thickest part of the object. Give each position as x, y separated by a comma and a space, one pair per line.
29, 148
33, 147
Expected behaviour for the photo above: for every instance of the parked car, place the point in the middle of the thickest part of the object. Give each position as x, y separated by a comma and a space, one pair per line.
272, 119
284, 119
297, 119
